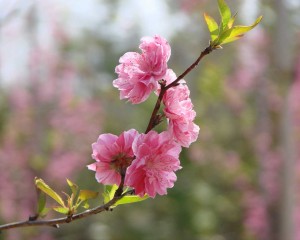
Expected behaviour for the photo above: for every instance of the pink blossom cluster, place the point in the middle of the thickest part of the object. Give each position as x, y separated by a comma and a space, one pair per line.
139, 75
150, 160
147, 161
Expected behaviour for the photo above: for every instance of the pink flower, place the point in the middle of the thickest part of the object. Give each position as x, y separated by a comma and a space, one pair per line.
184, 131
138, 74
152, 171
113, 155
180, 113
156, 52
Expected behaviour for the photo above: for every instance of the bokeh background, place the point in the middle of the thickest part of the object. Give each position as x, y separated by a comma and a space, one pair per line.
240, 180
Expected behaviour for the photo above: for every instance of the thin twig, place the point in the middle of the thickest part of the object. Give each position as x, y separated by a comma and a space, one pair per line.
57, 221
152, 122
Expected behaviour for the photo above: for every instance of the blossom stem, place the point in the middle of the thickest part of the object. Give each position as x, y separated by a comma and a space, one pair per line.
119, 191
152, 122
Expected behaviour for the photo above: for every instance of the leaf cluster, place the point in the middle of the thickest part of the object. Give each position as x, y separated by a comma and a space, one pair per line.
225, 32
78, 198
68, 206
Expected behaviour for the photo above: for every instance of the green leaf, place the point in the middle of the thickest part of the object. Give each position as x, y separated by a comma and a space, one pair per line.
225, 14
41, 202
86, 205
238, 31
87, 194
231, 39
73, 186
231, 21
40, 184
131, 199
63, 210
44, 212
109, 192
212, 26
223, 36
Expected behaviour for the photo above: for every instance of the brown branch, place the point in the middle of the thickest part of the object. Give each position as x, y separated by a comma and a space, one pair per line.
153, 119
55, 222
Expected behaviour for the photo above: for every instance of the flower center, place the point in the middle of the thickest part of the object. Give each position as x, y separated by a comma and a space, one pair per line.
120, 162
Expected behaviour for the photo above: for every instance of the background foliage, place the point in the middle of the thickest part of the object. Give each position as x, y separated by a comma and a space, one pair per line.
240, 180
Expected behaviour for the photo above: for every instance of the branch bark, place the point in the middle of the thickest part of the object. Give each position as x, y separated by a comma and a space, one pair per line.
57, 221
153, 119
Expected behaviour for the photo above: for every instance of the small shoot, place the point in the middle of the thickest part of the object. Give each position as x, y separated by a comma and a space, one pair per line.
40, 184
84, 196
226, 32
41, 207
68, 207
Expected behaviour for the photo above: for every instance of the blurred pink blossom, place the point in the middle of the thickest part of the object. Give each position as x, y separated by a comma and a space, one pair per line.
252, 61
270, 177
294, 94
43, 123
138, 74
294, 103
48, 126
256, 215
152, 171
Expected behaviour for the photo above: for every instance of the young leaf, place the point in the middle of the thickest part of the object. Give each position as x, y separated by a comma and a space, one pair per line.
130, 199
73, 187
69, 200
212, 26
44, 212
231, 21
41, 202
238, 31
226, 32
109, 192
40, 184
86, 205
231, 39
225, 13
87, 194
224, 36
63, 210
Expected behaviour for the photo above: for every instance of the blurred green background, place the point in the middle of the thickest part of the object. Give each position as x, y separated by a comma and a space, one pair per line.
240, 180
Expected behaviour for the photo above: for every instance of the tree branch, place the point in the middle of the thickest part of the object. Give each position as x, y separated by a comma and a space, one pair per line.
55, 222
152, 122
